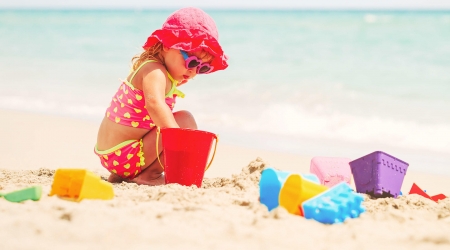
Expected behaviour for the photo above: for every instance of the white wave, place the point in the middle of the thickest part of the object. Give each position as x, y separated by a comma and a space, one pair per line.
446, 19
279, 119
52, 107
370, 18
284, 119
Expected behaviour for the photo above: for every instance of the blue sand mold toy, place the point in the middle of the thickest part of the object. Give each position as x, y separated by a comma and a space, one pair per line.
334, 205
270, 186
271, 182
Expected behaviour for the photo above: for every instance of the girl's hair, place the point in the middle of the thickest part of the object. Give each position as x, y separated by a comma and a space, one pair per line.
152, 53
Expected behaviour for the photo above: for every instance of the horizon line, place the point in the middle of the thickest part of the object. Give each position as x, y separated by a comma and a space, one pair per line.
226, 8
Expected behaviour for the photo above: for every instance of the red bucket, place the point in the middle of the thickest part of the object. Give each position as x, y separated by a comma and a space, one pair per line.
186, 153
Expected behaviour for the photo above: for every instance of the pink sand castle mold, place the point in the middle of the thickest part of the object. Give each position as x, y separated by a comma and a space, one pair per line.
378, 174
417, 190
331, 170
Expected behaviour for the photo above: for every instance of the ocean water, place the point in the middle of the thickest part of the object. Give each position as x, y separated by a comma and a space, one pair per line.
318, 83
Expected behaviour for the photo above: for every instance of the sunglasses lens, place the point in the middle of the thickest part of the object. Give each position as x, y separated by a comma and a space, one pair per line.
193, 64
204, 69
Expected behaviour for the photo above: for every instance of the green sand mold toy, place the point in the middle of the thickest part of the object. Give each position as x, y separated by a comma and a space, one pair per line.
31, 193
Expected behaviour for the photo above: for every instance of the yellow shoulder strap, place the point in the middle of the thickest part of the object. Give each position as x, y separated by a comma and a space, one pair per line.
172, 91
140, 66
178, 93
171, 79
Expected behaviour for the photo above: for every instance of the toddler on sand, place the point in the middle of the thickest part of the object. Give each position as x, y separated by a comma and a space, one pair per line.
186, 45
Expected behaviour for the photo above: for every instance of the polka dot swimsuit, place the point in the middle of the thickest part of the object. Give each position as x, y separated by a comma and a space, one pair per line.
128, 105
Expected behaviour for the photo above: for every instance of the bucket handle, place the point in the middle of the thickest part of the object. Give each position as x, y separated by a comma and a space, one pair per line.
158, 131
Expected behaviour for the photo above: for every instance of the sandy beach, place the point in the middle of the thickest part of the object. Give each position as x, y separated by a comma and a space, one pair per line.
225, 213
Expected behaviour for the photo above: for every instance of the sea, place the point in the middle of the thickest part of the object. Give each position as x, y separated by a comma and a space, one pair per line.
307, 82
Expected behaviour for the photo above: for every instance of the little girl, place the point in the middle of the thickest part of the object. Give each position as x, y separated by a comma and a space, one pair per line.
186, 45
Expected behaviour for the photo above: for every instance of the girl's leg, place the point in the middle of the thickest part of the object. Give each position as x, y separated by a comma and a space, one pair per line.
152, 173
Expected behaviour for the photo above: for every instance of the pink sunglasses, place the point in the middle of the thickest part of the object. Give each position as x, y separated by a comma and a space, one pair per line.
194, 62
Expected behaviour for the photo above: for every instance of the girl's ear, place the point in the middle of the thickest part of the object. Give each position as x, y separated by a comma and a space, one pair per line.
166, 48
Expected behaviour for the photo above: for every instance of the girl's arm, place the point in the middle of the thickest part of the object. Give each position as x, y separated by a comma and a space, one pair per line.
154, 87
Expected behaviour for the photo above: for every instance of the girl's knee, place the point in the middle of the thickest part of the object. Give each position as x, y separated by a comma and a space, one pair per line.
185, 119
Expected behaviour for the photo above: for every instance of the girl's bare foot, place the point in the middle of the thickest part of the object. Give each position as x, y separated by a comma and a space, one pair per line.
141, 180
144, 178
160, 180
113, 178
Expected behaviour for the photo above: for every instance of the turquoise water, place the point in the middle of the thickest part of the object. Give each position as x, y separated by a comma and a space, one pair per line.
337, 83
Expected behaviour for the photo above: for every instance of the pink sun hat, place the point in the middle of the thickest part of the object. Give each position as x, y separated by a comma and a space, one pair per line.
190, 29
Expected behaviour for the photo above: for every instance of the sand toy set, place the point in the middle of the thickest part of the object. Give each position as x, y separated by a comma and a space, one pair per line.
304, 195
324, 194
330, 198
68, 184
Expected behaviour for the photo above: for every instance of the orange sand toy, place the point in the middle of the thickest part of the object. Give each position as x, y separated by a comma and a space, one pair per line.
78, 184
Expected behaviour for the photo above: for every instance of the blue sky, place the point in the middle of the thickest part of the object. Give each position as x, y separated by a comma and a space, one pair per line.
303, 4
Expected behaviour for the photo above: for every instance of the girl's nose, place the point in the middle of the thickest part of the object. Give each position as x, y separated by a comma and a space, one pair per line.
192, 72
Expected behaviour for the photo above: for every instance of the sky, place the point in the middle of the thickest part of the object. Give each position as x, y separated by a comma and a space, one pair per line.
231, 4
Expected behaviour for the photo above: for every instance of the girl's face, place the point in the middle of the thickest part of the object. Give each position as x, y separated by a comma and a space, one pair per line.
176, 64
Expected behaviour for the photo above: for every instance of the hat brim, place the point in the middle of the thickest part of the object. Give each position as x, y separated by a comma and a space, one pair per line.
190, 40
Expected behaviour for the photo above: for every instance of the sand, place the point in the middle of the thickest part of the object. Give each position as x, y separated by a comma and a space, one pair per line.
225, 213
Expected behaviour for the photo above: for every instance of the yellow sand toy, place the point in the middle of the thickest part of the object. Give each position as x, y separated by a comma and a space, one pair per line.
78, 184
296, 190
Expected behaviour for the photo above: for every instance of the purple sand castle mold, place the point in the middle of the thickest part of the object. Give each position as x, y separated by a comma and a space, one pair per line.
379, 174
334, 205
